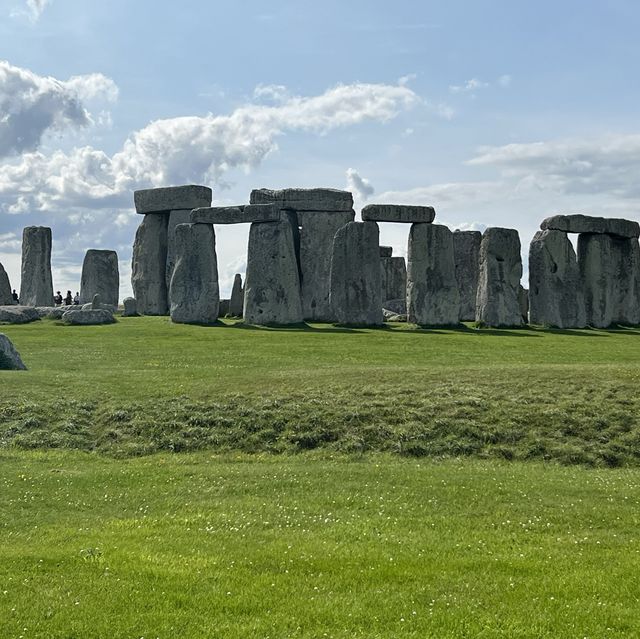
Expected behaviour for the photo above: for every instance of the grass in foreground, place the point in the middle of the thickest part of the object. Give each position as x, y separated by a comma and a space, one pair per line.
196, 546
145, 385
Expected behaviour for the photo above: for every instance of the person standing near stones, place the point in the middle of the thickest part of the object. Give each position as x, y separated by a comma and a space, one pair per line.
76, 299
68, 300
58, 298
15, 297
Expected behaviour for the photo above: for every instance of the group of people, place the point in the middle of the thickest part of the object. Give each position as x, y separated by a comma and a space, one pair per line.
67, 300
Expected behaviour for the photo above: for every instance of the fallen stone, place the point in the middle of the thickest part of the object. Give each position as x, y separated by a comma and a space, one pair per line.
100, 275
304, 199
10, 359
355, 275
237, 297
88, 318
390, 316
317, 230
6, 296
194, 292
130, 307
179, 216
149, 264
466, 250
53, 312
18, 314
386, 251
556, 294
398, 213
432, 291
398, 307
589, 224
272, 280
497, 302
393, 275
247, 214
171, 198
36, 282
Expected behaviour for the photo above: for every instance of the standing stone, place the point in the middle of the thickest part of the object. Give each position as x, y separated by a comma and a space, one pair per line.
466, 249
628, 310
10, 359
149, 263
179, 216
318, 228
556, 294
500, 272
194, 292
130, 307
355, 294
432, 291
272, 281
393, 275
6, 298
523, 300
237, 298
100, 275
37, 284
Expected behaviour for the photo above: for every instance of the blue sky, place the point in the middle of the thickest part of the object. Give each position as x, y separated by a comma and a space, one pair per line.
498, 113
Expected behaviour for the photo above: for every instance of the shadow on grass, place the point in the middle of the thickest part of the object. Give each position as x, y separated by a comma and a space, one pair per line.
295, 328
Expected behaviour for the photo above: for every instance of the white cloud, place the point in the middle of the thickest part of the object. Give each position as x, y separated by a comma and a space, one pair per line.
271, 92
33, 9
469, 86
32, 105
361, 188
504, 80
406, 79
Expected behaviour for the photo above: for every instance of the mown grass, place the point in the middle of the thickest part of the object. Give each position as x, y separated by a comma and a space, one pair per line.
145, 385
196, 546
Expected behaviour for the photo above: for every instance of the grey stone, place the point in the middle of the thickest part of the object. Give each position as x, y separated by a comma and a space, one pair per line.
556, 294
398, 213
18, 314
390, 316
589, 224
100, 275
610, 270
432, 291
54, 313
149, 263
500, 272
466, 250
386, 251
6, 297
523, 301
223, 309
355, 275
246, 214
179, 216
10, 359
304, 199
194, 292
130, 307
397, 307
393, 276
272, 280
237, 297
163, 200
37, 284
88, 318
317, 230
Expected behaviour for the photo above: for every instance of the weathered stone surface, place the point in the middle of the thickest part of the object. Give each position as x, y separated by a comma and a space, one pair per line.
237, 297
10, 359
149, 263
18, 314
556, 294
54, 313
396, 307
386, 251
304, 199
6, 298
179, 216
130, 307
589, 224
37, 285
523, 301
100, 275
246, 214
223, 309
392, 316
466, 250
432, 290
171, 198
194, 292
272, 281
317, 230
398, 213
610, 270
393, 276
355, 293
500, 272
88, 318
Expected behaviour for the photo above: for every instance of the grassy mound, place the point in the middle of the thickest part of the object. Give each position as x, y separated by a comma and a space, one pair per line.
145, 385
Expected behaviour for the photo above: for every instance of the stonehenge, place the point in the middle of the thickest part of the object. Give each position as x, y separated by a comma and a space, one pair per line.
393, 276
36, 281
398, 213
130, 307
10, 359
466, 252
236, 301
100, 276
88, 317
6, 297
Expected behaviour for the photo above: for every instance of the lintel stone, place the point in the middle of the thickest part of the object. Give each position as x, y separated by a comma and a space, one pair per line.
169, 198
589, 224
244, 214
398, 213
304, 199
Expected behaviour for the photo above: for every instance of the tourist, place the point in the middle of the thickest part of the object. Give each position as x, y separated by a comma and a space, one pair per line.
68, 300
15, 297
76, 299
57, 300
